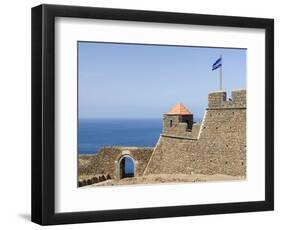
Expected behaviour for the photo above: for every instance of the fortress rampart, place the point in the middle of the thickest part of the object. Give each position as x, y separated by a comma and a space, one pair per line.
218, 100
217, 145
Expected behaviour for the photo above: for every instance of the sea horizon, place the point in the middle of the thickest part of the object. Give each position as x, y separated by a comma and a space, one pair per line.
97, 133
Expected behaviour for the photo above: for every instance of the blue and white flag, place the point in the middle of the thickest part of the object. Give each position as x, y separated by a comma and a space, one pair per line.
217, 64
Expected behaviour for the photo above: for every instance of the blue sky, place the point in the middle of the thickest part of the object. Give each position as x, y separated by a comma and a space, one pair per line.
145, 81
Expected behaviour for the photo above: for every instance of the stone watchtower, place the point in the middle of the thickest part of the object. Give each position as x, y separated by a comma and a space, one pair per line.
177, 121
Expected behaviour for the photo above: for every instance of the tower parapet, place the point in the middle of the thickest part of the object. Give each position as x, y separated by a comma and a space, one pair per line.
218, 100
178, 120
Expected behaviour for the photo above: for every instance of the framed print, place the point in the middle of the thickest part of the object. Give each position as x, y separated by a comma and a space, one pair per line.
142, 114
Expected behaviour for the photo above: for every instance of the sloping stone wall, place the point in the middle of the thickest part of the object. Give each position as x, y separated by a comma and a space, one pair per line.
219, 148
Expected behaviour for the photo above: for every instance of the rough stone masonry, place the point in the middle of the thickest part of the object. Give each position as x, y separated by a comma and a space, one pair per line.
217, 145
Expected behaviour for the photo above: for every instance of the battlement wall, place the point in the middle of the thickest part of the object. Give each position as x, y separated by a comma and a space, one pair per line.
218, 100
219, 146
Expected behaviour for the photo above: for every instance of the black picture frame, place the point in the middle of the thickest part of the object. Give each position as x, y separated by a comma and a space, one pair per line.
43, 114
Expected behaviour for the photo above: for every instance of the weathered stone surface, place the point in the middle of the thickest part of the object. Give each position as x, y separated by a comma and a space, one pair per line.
106, 162
219, 100
217, 145
220, 145
177, 124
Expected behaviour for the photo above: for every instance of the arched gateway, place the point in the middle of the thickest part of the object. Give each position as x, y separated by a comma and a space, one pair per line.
125, 167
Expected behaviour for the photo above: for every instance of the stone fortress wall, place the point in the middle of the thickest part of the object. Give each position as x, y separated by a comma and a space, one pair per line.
215, 146
107, 161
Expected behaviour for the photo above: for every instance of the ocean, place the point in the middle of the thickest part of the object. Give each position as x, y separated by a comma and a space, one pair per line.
94, 134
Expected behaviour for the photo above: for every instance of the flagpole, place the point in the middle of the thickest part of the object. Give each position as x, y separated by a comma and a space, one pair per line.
221, 74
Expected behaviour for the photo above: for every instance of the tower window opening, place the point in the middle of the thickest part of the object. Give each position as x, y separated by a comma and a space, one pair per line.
171, 123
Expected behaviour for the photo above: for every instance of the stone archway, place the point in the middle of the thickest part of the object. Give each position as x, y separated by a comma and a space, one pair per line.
122, 165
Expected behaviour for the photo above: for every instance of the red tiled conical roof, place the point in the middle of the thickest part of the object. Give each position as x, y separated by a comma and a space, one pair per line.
179, 109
